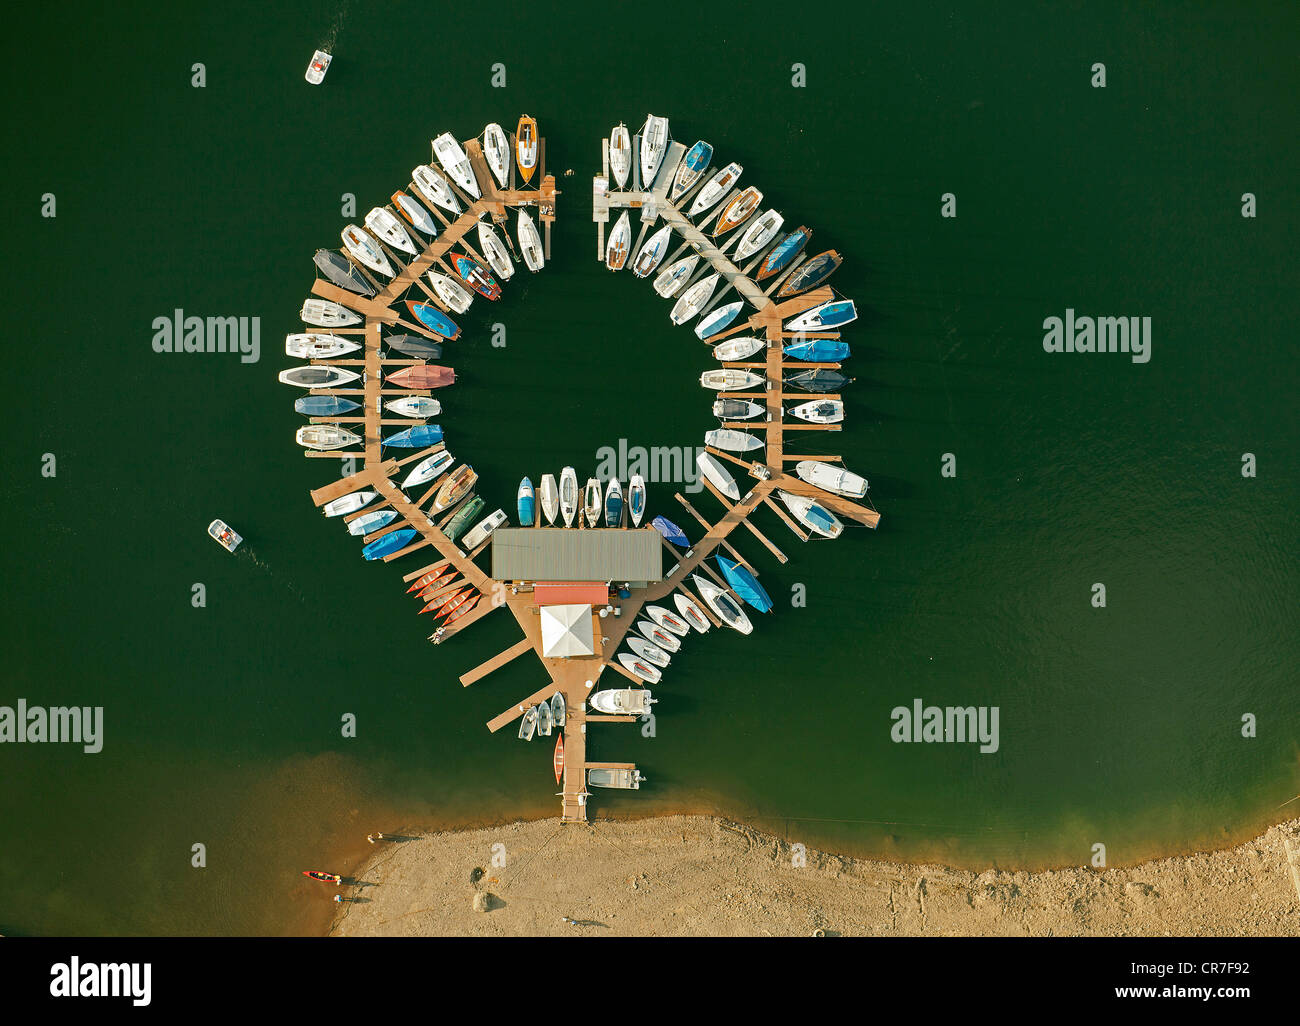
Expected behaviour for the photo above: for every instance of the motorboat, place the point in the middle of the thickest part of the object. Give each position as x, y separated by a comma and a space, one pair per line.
672, 278
526, 147
434, 319
340, 270
526, 503
715, 188
648, 651
349, 503
744, 583
832, 479
455, 487
737, 409
623, 779
422, 376
656, 635
454, 296
453, 160
718, 475
620, 239
591, 497
717, 320
415, 406
819, 411
636, 499
737, 212
530, 242
388, 229
528, 724
413, 346
671, 532
821, 380
550, 498
319, 65
758, 234
225, 535
730, 379
613, 503
723, 605
323, 437
367, 523
366, 250
812, 514
622, 701
496, 151
668, 620
691, 613
495, 251
568, 495
318, 347
389, 544
483, 529
733, 440
694, 164
429, 469
475, 275
779, 256
317, 376
652, 253
414, 214
811, 273
741, 348
326, 314
463, 517
818, 350
692, 301
324, 406
418, 437
620, 154
654, 144
643, 668
435, 189
559, 711
544, 722
828, 315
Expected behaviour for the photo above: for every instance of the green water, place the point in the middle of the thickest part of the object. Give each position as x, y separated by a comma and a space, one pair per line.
1119, 726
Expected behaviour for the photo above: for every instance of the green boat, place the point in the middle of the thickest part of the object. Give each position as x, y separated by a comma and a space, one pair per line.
464, 517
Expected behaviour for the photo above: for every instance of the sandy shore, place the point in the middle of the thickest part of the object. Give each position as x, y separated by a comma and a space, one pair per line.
704, 876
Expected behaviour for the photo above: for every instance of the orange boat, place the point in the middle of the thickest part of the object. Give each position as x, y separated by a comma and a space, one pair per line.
459, 608
436, 605
737, 211
422, 376
322, 876
559, 757
439, 586
455, 488
428, 579
526, 147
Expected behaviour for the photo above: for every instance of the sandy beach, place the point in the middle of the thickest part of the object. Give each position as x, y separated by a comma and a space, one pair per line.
690, 876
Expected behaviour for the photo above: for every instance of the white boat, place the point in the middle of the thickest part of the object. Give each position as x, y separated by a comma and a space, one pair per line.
456, 297
735, 441
591, 502
832, 479
693, 299
668, 620
648, 651
741, 348
636, 499
730, 379
434, 188
429, 469
550, 496
613, 504
323, 437
317, 376
812, 514
695, 162
819, 411
528, 724
622, 701
620, 239
417, 406
623, 779
715, 320
415, 214
657, 635
359, 243
495, 251
559, 711
544, 721
737, 409
691, 613
325, 314
672, 278
643, 668
320, 63
718, 475
317, 347
225, 535
620, 154
387, 228
726, 608
455, 163
654, 250
758, 234
348, 503
530, 242
715, 188
831, 314
479, 533
496, 151
654, 144
568, 495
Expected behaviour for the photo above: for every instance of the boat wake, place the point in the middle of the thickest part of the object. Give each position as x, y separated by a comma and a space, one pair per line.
340, 17
247, 553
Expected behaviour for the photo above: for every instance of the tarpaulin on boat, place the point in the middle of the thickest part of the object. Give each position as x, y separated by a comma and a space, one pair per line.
554, 593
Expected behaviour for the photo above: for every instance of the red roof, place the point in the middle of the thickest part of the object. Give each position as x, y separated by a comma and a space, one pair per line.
560, 593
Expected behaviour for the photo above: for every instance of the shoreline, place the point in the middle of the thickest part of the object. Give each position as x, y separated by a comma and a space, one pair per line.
706, 875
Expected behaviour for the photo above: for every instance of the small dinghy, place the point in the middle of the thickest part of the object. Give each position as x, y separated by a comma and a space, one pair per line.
723, 605
622, 701
417, 437
668, 620
530, 243
824, 317
744, 583
496, 151
780, 255
832, 478
415, 347
325, 314
324, 406
616, 249
642, 668
366, 250
818, 350
648, 651
716, 320
428, 469
317, 376
758, 234
434, 188
653, 252
730, 379
323, 437
414, 214
338, 269
559, 713
528, 724
671, 532
317, 347
811, 273
450, 291
525, 503
613, 503
715, 188
672, 278
636, 499
738, 211
741, 348
417, 406
388, 229
368, 523
692, 301
388, 544
320, 874
691, 613
819, 380
694, 164
591, 502
814, 516
620, 154
718, 475
348, 503
732, 440
819, 411
434, 319
495, 251
484, 528
550, 498
568, 495
656, 635
737, 409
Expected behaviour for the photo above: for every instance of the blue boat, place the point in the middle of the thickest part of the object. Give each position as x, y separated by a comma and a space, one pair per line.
778, 259
671, 532
388, 544
433, 319
324, 405
744, 584
526, 503
613, 503
818, 350
828, 315
416, 437
698, 156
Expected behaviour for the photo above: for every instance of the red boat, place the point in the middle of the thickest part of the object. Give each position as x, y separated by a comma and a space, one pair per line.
422, 376
322, 876
427, 579
438, 584
436, 604
454, 609
476, 276
559, 757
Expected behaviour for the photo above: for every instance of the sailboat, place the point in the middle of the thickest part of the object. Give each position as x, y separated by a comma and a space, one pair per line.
657, 635
526, 147
758, 234
832, 478
744, 583
654, 144
672, 278
317, 376
722, 604
413, 346
495, 251
388, 229
689, 170
715, 188
530, 242
475, 275
828, 315
359, 243
349, 503
317, 347
434, 319
422, 376
636, 499
613, 503
620, 154
741, 348
812, 514
718, 475
434, 188
455, 163
429, 469
368, 523
811, 273
484, 528
620, 239
735, 441
668, 620
642, 668
671, 532
780, 255
568, 495
819, 411
323, 437
496, 151
415, 215
649, 256
694, 298
325, 314
388, 544
691, 613
717, 320
419, 437
730, 379
818, 350
339, 270
735, 213
550, 498
591, 502
648, 651
456, 297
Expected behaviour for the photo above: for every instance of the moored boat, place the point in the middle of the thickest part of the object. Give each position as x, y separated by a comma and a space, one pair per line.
672, 278
388, 544
528, 724
737, 409
741, 348
779, 256
484, 528
744, 583
828, 315
644, 669
811, 273
654, 144
737, 212
718, 475
620, 239
323, 437
434, 187
455, 296
694, 164
622, 701
722, 604
812, 514
434, 319
317, 347
818, 350
320, 874
388, 229
496, 151
415, 406
463, 517
717, 320
657, 635
636, 499
428, 469
413, 346
821, 380
832, 479
544, 722
671, 532
414, 214
668, 620
526, 503
693, 299
613, 503
366, 250
422, 376
550, 498
715, 188
735, 441
339, 270
375, 520
559, 712
691, 613
495, 251
324, 406
568, 495
326, 314
417, 437
349, 503
819, 411
453, 160
758, 234
475, 275
530, 242
526, 147
648, 651
591, 502
652, 253
620, 154
623, 779
455, 488
317, 376
730, 379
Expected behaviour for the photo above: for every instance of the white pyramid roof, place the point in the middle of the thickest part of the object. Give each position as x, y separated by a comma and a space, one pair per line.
566, 632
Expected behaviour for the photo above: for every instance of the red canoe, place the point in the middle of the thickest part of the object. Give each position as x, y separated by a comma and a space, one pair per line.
559, 757
322, 876
423, 582
422, 376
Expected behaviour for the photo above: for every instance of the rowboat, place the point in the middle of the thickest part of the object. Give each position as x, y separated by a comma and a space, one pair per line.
496, 151
568, 495
818, 350
325, 314
718, 475
620, 239
735, 441
819, 380
723, 605
358, 242
428, 469
737, 409
650, 255
455, 163
613, 503
550, 498
526, 147
636, 499
413, 346
715, 321
691, 613
367, 523
648, 651
656, 635
544, 721
437, 585
459, 608
715, 188
735, 213
422, 376
429, 579
526, 503
530, 243
671, 532
591, 501
620, 154
338, 269
348, 503
317, 347
463, 518
642, 668
668, 620
780, 255
693, 299
819, 411
831, 478
418, 437
456, 297
320, 874
320, 63
730, 379
654, 143
811, 273
433, 187
623, 779
758, 234
455, 488
417, 406
689, 170
741, 348
323, 437
828, 315
414, 214
484, 528
812, 514
495, 251
672, 278
558, 759
528, 724
317, 376
224, 535
434, 319
439, 602
622, 701
388, 229
475, 275
744, 583
388, 544
559, 712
